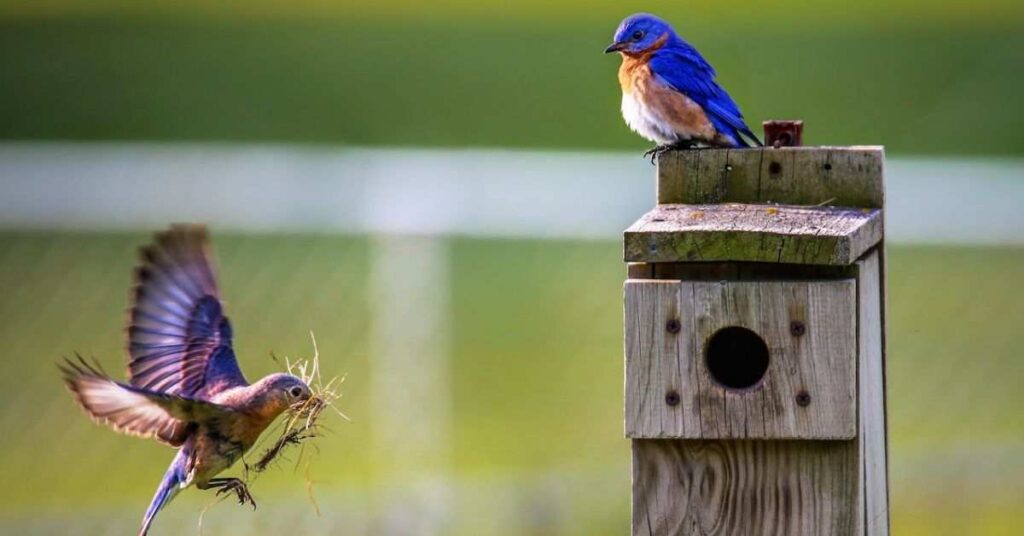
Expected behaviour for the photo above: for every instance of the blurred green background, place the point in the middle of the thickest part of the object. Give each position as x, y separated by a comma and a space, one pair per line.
917, 76
536, 380
535, 442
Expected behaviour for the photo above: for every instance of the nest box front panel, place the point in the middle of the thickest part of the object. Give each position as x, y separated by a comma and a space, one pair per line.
741, 359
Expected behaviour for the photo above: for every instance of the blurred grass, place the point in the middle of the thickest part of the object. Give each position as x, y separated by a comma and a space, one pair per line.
918, 77
537, 379
735, 12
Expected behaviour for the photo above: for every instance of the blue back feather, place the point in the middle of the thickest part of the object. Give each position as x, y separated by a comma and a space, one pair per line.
680, 66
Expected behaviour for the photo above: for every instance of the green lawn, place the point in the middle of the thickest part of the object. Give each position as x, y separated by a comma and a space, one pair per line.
536, 379
917, 77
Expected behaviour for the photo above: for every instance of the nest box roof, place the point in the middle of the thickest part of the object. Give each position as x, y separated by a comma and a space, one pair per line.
796, 205
759, 233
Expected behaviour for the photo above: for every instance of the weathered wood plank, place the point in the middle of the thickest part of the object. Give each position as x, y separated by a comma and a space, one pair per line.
872, 397
837, 176
656, 365
820, 361
745, 488
758, 233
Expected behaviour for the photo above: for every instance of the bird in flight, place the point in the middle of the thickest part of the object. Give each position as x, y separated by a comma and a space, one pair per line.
184, 386
669, 93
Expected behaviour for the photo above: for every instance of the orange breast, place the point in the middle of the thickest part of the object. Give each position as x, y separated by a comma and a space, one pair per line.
633, 72
673, 108
678, 110
250, 427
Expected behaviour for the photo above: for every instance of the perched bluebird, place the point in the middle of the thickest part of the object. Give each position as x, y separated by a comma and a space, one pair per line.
669, 93
184, 386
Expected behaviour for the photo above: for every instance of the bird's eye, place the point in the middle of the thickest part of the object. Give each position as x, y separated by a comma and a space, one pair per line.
296, 391
638, 35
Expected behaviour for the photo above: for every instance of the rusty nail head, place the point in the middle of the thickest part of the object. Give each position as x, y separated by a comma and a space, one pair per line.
797, 328
673, 326
803, 399
672, 398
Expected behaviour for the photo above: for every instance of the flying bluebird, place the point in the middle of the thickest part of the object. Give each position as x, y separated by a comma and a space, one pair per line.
184, 386
669, 93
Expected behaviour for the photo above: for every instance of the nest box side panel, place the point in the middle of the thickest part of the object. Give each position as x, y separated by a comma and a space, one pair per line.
872, 399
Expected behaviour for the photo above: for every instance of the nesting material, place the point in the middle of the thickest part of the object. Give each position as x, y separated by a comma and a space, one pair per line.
302, 420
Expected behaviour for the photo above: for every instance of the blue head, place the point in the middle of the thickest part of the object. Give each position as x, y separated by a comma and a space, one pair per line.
276, 392
639, 33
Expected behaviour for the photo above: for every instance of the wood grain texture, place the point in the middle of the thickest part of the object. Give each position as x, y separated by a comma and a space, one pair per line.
872, 398
745, 488
821, 362
757, 233
655, 362
836, 176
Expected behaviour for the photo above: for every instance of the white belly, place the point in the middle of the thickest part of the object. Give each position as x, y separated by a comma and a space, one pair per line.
645, 122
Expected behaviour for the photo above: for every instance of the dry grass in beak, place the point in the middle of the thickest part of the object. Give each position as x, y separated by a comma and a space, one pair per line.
302, 419
301, 422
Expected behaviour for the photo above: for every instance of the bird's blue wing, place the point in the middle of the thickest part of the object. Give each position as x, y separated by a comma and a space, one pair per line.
681, 67
179, 341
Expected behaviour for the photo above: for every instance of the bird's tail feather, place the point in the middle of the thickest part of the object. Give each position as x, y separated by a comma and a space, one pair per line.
752, 136
171, 484
743, 138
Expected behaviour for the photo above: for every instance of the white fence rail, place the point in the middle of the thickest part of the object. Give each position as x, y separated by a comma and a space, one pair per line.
433, 191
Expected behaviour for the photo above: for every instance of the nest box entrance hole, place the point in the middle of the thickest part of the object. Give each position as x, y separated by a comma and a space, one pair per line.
736, 357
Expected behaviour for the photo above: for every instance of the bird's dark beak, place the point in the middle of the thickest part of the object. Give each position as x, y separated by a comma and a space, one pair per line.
614, 47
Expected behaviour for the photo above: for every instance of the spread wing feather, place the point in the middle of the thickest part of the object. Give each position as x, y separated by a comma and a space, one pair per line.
134, 411
179, 340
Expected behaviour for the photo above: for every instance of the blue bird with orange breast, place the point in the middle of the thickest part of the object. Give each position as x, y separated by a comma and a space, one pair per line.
184, 388
669, 93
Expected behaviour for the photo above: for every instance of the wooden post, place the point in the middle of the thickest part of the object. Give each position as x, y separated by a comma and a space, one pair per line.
755, 385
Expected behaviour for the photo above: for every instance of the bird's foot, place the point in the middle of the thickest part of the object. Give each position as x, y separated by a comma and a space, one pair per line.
683, 145
228, 485
654, 153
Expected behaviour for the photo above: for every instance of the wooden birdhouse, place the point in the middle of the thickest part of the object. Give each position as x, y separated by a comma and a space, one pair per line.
754, 322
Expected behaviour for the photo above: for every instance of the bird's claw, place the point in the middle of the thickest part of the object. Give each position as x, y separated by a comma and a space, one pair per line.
240, 489
654, 153
684, 145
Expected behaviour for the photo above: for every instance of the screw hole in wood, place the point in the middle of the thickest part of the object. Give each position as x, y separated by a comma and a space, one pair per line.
672, 398
803, 399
